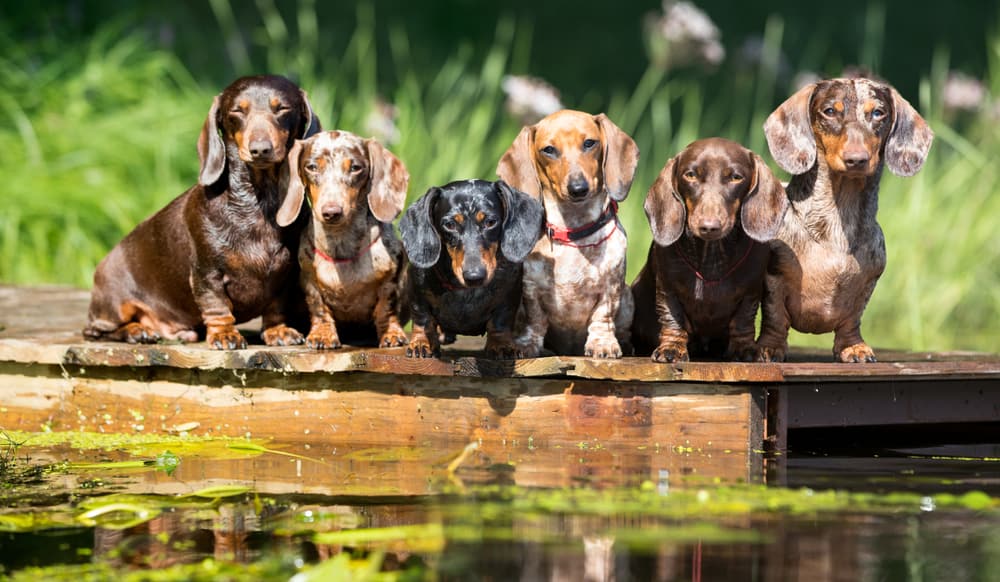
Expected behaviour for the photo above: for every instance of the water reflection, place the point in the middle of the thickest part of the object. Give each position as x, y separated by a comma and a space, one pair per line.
676, 522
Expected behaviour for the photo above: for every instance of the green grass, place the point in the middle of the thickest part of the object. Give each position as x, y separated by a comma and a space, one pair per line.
98, 136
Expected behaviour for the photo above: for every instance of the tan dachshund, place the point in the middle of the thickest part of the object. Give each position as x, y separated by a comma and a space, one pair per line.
575, 297
351, 259
834, 137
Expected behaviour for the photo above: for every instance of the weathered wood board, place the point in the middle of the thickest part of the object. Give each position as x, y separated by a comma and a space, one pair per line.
50, 377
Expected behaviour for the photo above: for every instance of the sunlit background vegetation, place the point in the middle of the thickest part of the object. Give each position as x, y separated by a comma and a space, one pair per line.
101, 104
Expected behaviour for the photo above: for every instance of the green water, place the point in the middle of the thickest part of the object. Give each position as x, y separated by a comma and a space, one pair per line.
273, 511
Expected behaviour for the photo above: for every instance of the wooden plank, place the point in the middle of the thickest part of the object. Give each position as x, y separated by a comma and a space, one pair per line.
844, 404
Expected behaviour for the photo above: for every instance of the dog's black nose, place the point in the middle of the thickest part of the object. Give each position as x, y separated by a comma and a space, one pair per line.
261, 148
856, 159
578, 187
474, 277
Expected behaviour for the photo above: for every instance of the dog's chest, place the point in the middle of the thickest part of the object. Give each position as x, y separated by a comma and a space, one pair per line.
570, 281
351, 287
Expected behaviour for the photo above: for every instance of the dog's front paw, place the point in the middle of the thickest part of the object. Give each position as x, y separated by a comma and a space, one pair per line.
136, 333
323, 337
502, 349
742, 351
225, 338
858, 353
767, 354
608, 348
421, 348
393, 338
670, 352
282, 335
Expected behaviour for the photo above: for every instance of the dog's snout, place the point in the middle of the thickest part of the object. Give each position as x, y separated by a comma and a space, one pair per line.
332, 212
578, 186
261, 149
474, 276
856, 158
709, 228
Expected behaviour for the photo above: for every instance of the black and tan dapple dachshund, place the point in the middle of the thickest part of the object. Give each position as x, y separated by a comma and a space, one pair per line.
485, 230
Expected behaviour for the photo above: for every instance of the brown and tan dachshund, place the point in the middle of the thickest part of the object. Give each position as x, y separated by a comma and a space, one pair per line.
350, 256
466, 241
215, 256
834, 137
575, 299
710, 210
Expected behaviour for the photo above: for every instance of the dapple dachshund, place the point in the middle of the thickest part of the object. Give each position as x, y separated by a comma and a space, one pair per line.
712, 210
834, 137
485, 230
215, 256
350, 257
576, 301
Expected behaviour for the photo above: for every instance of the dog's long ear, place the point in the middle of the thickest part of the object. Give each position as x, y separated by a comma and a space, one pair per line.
420, 239
664, 208
310, 123
387, 183
211, 149
621, 156
910, 139
517, 166
789, 133
765, 205
295, 191
522, 222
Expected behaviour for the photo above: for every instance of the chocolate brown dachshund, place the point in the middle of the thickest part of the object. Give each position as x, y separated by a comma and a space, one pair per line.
712, 210
215, 256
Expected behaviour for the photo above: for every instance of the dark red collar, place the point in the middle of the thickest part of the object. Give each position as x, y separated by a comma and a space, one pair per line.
361, 253
710, 282
565, 235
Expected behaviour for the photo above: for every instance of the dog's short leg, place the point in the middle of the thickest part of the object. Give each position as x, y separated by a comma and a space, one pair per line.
849, 347
499, 338
322, 328
390, 331
602, 341
673, 338
772, 345
535, 323
275, 331
741, 331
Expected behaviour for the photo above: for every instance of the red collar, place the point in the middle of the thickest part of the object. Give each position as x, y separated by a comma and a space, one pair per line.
561, 234
710, 282
360, 254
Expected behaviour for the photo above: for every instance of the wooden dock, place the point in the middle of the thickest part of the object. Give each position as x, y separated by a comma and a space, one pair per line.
545, 415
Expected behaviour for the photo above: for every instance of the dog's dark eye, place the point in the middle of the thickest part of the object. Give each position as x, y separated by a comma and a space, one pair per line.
550, 151
356, 168
690, 175
490, 222
829, 111
449, 225
312, 167
878, 113
736, 178
588, 144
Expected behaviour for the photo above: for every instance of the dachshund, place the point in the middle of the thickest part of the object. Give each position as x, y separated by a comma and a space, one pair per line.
350, 257
710, 209
215, 256
576, 301
486, 230
834, 136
